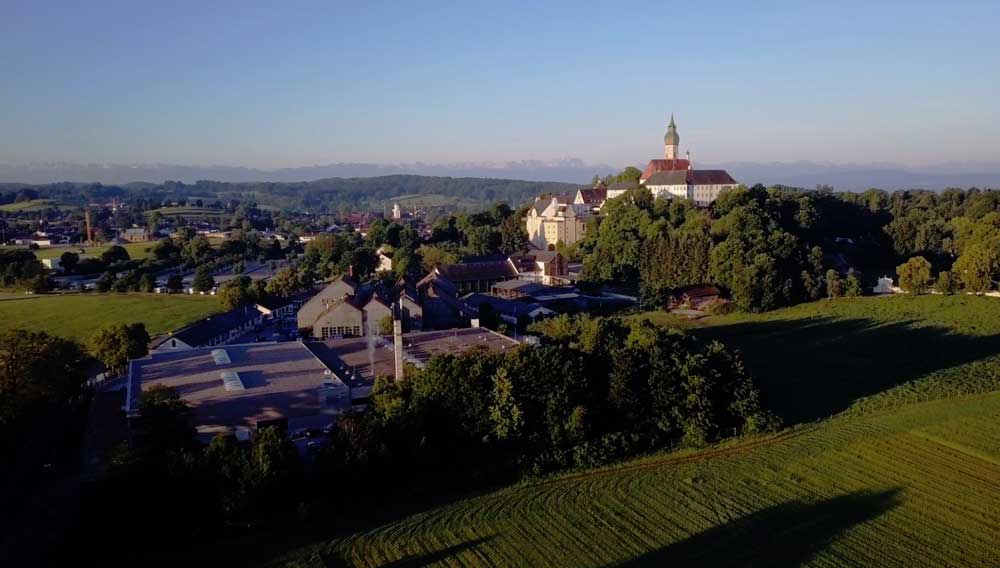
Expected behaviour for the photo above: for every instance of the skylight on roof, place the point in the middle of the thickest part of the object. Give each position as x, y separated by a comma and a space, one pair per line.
221, 357
231, 381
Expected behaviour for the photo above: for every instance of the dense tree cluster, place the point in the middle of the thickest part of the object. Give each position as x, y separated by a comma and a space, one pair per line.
774, 247
20, 269
597, 389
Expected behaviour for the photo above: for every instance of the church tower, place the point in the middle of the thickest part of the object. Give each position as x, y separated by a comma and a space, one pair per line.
671, 141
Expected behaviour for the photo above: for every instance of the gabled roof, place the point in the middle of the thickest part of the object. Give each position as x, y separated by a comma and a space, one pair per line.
710, 177
440, 283
201, 332
478, 270
593, 196
675, 177
665, 166
624, 185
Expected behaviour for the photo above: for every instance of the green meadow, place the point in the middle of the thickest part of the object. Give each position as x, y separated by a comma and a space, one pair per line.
892, 459
78, 316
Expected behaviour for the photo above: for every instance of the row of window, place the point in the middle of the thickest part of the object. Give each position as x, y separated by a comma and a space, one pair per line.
341, 331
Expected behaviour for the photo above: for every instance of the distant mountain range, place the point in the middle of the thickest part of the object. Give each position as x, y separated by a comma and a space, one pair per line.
853, 177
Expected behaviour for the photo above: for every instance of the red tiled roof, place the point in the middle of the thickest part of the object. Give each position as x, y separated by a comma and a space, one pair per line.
665, 166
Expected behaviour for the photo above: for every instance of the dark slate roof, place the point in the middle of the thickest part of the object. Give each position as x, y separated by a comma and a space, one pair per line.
676, 177
500, 305
624, 185
593, 196
200, 333
711, 177
443, 285
480, 270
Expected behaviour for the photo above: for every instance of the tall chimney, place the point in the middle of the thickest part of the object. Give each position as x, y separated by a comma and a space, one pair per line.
397, 337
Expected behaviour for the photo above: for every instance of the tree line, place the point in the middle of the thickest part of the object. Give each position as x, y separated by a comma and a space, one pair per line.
772, 247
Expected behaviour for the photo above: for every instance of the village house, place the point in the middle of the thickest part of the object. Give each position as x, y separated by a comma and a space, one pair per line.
135, 235
219, 329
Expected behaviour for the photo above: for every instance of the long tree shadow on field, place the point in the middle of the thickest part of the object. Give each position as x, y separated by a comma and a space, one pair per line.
812, 368
781, 536
334, 561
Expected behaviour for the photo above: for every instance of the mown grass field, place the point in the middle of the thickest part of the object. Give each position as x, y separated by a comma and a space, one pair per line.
135, 250
822, 358
914, 486
434, 200
893, 479
189, 211
78, 316
33, 205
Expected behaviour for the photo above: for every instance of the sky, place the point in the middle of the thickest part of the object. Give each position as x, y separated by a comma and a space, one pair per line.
285, 84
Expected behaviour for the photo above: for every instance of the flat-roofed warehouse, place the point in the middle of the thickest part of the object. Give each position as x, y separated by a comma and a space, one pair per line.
244, 386
357, 362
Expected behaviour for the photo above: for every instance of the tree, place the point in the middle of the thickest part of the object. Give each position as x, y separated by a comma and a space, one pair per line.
977, 268
175, 283
105, 282
114, 254
115, 345
946, 283
629, 174
273, 459
385, 325
852, 287
147, 282
68, 261
513, 234
236, 293
203, 280
284, 283
505, 414
164, 422
834, 287
433, 256
36, 369
914, 275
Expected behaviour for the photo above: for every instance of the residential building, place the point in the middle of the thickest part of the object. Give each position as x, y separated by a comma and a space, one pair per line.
218, 329
336, 291
384, 254
547, 267
478, 273
136, 235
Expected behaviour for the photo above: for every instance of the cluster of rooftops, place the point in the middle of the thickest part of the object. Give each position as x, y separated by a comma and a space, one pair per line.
240, 387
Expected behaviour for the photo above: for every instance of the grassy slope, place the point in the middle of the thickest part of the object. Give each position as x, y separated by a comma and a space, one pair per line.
32, 205
818, 359
884, 484
78, 316
916, 486
433, 200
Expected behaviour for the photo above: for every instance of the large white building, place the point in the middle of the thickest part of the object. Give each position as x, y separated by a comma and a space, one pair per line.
557, 219
563, 218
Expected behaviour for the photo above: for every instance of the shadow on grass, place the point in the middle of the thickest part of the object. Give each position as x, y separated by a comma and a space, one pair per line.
812, 368
334, 561
784, 535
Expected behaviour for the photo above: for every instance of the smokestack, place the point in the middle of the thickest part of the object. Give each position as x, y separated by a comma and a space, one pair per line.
397, 337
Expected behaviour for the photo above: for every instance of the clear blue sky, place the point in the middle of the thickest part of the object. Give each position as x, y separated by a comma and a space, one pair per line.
294, 83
